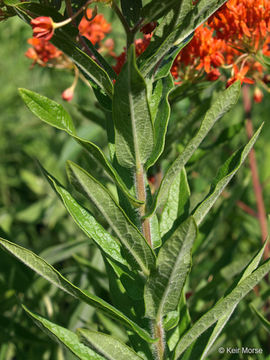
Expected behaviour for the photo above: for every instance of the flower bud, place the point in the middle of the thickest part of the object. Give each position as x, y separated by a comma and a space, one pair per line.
43, 27
67, 94
258, 95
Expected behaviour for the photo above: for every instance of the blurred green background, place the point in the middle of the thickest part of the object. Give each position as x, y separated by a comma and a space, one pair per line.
32, 216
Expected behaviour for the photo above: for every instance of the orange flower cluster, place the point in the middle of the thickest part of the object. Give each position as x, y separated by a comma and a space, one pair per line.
96, 29
42, 51
234, 38
244, 24
204, 53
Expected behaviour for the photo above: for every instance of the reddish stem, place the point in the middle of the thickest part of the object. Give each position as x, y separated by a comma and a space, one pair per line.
254, 171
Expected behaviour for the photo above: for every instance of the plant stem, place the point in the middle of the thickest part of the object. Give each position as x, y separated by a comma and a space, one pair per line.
129, 32
160, 348
141, 193
254, 170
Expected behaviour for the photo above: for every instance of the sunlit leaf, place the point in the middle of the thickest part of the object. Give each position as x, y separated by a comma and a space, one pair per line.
107, 346
221, 308
134, 133
55, 115
128, 234
66, 337
165, 284
45, 270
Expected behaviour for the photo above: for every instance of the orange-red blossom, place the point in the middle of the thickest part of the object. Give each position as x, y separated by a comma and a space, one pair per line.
43, 27
234, 38
96, 29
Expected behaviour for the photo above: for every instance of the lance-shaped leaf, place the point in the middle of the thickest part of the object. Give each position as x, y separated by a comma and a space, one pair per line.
223, 104
107, 346
162, 112
225, 173
253, 264
128, 234
176, 27
265, 323
221, 308
134, 134
104, 240
55, 115
157, 8
66, 337
47, 271
177, 204
164, 286
90, 69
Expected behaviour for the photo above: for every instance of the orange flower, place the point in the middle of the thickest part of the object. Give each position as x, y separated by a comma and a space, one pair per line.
96, 29
243, 23
42, 51
204, 52
43, 27
240, 75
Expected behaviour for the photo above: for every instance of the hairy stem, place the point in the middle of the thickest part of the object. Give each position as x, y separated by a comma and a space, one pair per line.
141, 193
254, 171
159, 345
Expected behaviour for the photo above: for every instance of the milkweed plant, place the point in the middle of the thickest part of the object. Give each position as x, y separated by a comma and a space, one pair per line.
137, 209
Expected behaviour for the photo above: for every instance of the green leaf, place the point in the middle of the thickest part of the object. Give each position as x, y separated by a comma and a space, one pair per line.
176, 27
161, 111
221, 308
225, 173
165, 66
158, 8
165, 284
128, 234
90, 69
131, 10
101, 60
134, 133
47, 110
104, 240
65, 337
171, 320
223, 104
253, 264
47, 271
55, 115
177, 204
11, 2
262, 319
107, 346
184, 324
